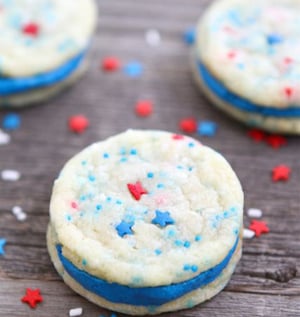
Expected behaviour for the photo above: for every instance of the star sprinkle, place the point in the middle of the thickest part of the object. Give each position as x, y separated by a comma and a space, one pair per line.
111, 64
144, 108
124, 228
207, 128
31, 29
137, 190
276, 141
2, 244
189, 36
256, 135
11, 122
188, 125
281, 173
259, 227
162, 218
32, 297
133, 69
78, 123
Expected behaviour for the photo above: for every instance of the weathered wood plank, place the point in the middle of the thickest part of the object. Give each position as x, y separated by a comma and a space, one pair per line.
267, 281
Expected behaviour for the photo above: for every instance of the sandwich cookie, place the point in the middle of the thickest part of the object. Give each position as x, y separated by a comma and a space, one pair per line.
43, 47
146, 222
246, 61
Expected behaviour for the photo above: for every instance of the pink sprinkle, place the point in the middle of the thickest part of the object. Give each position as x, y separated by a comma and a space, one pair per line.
231, 55
288, 60
177, 137
74, 205
288, 91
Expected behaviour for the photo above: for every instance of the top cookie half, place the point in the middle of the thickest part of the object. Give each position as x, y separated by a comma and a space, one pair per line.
37, 36
253, 48
147, 208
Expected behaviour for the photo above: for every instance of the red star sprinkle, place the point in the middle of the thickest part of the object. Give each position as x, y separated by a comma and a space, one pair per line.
137, 190
259, 227
32, 297
31, 29
256, 135
78, 123
144, 108
188, 125
111, 64
281, 173
288, 91
276, 141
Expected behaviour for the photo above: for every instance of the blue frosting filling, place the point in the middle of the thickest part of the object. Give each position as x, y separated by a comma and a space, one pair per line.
10, 86
142, 296
224, 94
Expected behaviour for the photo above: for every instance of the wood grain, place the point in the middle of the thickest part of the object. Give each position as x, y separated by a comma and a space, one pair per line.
266, 282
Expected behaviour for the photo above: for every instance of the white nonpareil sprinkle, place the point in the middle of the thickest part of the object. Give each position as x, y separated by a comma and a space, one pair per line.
4, 138
10, 175
152, 37
254, 213
248, 234
19, 213
75, 312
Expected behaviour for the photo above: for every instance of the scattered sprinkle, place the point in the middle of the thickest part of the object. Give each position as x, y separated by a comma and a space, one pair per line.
162, 218
31, 29
111, 64
78, 123
75, 312
124, 228
4, 138
189, 36
256, 135
137, 190
188, 125
207, 128
32, 297
248, 234
10, 175
281, 173
11, 122
19, 213
254, 213
2, 244
276, 141
133, 69
152, 37
274, 39
144, 108
289, 91
259, 227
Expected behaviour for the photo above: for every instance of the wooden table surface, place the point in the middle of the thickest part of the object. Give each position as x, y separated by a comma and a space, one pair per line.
266, 282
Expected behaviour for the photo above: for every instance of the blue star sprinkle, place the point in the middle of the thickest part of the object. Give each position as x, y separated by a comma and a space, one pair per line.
207, 128
2, 244
274, 39
124, 228
133, 69
11, 122
189, 36
162, 218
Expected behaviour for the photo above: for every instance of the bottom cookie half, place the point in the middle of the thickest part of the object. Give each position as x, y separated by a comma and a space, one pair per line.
188, 300
39, 95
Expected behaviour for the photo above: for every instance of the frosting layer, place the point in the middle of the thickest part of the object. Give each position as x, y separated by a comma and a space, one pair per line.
9, 86
223, 93
142, 296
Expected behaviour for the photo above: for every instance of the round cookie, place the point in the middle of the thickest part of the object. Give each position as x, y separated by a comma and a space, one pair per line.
42, 45
146, 222
246, 60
